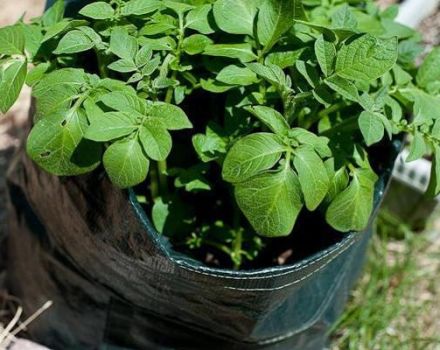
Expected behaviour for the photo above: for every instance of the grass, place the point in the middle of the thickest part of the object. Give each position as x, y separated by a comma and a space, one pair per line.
395, 305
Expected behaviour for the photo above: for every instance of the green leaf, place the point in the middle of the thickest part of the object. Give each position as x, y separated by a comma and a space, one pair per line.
318, 143
12, 78
371, 127
195, 44
124, 102
251, 155
122, 44
62, 27
123, 66
12, 40
366, 58
56, 144
308, 71
275, 17
271, 118
326, 54
56, 91
418, 147
73, 42
98, 10
312, 176
343, 87
429, 71
198, 19
234, 75
352, 208
284, 59
344, 18
178, 7
54, 14
272, 73
143, 56
209, 145
156, 140
243, 52
271, 202
171, 117
110, 126
425, 106
160, 213
140, 7
235, 16
126, 163
434, 182
37, 73
151, 66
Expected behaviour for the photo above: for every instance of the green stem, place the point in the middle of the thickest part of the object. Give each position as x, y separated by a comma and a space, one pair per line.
154, 183
347, 125
237, 248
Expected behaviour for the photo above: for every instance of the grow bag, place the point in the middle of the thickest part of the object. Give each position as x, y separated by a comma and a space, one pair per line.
90, 248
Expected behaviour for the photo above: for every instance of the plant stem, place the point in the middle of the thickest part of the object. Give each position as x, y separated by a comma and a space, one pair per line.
347, 125
154, 183
237, 248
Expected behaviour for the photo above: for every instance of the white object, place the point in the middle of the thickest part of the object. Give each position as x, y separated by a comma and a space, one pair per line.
413, 12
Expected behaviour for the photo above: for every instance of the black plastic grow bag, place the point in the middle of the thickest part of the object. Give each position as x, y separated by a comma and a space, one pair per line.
114, 281
91, 249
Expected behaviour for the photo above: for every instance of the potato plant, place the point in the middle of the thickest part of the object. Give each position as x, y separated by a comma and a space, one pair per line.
228, 117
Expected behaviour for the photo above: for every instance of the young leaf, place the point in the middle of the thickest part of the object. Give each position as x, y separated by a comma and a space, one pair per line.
73, 42
275, 17
425, 106
270, 118
418, 147
126, 163
325, 52
12, 78
371, 127
235, 16
54, 14
318, 143
271, 202
343, 87
12, 40
243, 52
143, 56
272, 73
110, 126
312, 176
283, 59
195, 44
344, 18
98, 10
351, 209
366, 58
123, 66
251, 155
156, 140
122, 44
429, 71
140, 7
234, 75
170, 116
198, 19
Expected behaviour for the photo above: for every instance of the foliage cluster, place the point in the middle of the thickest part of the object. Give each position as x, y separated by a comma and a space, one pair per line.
273, 106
